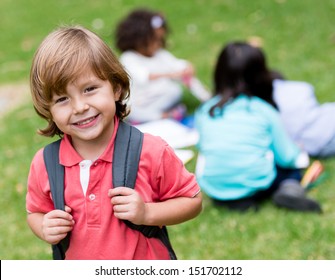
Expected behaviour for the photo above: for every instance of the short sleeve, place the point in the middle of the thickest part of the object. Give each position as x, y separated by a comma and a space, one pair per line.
171, 176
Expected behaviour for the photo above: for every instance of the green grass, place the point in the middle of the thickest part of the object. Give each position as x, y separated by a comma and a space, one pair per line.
299, 39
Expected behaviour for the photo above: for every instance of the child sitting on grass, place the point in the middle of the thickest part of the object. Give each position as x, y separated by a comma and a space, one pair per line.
157, 76
245, 154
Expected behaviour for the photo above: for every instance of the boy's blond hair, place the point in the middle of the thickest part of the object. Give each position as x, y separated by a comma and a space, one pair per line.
61, 58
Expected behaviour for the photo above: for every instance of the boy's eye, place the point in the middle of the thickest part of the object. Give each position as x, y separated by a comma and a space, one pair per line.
89, 89
61, 99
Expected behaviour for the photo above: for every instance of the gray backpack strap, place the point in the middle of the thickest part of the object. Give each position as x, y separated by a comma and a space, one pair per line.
126, 156
55, 173
56, 179
125, 167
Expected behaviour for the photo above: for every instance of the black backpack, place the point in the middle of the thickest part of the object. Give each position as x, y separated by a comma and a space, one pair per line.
127, 151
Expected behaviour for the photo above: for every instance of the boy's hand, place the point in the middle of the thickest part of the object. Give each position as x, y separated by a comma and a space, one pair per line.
128, 205
56, 224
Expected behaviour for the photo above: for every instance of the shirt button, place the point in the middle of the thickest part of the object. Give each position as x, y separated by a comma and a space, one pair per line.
91, 196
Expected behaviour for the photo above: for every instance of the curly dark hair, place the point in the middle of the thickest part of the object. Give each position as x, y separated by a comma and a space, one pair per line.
137, 29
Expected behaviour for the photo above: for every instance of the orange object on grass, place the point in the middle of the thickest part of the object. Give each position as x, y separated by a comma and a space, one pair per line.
312, 173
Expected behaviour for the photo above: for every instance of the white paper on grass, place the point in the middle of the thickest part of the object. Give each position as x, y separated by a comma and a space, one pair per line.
175, 134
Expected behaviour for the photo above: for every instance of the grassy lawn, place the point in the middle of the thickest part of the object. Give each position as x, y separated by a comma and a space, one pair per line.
299, 39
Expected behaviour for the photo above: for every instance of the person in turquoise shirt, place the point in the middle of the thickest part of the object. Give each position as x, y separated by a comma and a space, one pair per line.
245, 154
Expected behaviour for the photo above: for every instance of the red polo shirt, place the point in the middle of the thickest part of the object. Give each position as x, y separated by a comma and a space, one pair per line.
97, 234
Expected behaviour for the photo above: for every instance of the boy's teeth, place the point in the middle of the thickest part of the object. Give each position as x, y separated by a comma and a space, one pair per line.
85, 122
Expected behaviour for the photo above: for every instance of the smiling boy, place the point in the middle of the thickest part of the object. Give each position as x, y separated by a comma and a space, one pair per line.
80, 88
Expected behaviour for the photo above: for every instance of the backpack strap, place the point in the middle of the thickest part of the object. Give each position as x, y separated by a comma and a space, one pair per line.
56, 178
126, 157
125, 164
124, 173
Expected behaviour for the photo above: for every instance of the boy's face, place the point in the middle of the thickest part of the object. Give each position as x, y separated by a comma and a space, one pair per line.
86, 110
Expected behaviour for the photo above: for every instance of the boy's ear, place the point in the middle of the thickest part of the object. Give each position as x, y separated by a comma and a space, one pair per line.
117, 93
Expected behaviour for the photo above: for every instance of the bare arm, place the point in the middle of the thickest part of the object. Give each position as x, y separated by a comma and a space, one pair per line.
51, 227
181, 75
128, 205
173, 211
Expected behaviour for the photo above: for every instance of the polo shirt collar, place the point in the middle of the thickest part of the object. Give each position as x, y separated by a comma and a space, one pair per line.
70, 157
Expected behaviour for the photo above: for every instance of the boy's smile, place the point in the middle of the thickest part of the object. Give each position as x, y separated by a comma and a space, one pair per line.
86, 109
85, 123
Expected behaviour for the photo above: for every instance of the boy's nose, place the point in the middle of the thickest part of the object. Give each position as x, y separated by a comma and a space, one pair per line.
79, 105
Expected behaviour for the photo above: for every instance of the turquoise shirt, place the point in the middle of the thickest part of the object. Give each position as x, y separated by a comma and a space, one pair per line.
239, 150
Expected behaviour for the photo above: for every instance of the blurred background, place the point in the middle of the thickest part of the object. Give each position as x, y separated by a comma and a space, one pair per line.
298, 38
